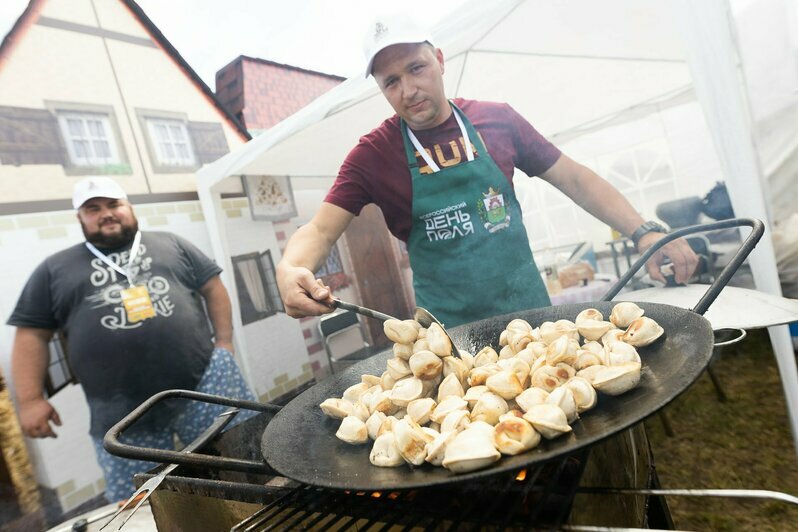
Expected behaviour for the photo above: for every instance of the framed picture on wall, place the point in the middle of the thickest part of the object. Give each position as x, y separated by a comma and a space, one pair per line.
270, 197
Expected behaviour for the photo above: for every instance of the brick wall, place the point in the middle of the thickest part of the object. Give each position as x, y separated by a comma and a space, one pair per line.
310, 325
230, 89
262, 93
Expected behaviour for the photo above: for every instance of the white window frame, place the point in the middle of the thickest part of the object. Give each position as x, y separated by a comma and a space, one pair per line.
161, 145
92, 159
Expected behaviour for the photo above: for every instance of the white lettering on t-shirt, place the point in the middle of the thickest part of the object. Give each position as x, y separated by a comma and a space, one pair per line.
110, 283
104, 274
164, 306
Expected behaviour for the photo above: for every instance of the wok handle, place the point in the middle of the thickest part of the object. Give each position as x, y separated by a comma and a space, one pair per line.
757, 230
738, 338
112, 444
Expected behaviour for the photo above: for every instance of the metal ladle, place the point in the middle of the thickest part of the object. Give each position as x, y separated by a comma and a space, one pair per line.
423, 316
337, 303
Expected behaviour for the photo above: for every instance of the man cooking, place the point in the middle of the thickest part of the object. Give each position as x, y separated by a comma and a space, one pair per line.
441, 171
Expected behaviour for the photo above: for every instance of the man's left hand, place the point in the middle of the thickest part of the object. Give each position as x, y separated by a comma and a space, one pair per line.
678, 251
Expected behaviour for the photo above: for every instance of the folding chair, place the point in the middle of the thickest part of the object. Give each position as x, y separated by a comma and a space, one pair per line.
343, 339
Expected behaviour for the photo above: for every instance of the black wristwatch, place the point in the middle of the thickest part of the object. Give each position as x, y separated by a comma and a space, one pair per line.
645, 228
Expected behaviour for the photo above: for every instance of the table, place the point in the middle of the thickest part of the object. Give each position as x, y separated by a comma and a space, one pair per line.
593, 291
734, 308
628, 248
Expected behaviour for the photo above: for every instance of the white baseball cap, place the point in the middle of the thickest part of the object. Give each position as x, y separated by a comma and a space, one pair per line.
386, 31
96, 187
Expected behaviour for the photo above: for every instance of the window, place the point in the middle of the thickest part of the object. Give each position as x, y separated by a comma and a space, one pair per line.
332, 265
270, 275
332, 271
58, 372
177, 145
89, 138
256, 284
171, 142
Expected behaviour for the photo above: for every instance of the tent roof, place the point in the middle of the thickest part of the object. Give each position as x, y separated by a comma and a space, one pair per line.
517, 51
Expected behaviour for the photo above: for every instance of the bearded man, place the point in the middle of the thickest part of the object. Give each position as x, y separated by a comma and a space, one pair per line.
130, 306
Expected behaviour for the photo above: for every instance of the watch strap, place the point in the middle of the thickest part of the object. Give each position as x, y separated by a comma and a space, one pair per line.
645, 228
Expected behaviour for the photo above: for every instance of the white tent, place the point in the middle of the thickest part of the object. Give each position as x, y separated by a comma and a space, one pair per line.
569, 66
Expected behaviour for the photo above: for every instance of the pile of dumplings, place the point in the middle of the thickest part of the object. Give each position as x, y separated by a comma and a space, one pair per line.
465, 413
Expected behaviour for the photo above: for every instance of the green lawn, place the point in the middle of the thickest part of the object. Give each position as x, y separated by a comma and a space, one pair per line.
744, 442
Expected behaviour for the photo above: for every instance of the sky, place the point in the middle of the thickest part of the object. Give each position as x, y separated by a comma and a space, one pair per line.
321, 35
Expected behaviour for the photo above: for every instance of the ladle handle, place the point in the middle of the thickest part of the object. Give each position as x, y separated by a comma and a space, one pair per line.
361, 310
757, 230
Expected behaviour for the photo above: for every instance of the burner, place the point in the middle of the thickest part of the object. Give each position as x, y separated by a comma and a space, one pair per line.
543, 496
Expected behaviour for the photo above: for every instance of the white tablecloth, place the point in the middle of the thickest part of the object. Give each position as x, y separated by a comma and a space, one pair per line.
593, 291
734, 308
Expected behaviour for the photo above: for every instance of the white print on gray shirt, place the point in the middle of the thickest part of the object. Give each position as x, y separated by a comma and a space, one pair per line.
108, 295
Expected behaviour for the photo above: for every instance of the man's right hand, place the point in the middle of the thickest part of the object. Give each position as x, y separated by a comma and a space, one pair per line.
35, 416
303, 294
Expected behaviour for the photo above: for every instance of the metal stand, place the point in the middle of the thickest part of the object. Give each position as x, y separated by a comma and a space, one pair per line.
757, 229
628, 250
666, 423
722, 397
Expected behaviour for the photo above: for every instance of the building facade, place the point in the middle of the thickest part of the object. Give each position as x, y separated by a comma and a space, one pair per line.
261, 93
92, 87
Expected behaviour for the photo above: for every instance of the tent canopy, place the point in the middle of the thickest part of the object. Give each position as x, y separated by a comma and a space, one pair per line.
515, 51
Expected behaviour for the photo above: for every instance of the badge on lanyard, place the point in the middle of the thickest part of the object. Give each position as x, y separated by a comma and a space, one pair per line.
137, 303
136, 299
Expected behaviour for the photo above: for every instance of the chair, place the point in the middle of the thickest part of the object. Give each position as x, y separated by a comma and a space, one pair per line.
683, 212
343, 339
679, 212
705, 271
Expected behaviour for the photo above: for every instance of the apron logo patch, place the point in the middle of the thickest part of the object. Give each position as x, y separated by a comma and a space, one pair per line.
448, 223
493, 212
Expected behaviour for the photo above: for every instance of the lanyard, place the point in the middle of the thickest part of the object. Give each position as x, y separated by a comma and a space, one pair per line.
134, 251
424, 155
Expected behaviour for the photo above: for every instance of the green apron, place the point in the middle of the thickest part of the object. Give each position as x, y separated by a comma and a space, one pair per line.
468, 246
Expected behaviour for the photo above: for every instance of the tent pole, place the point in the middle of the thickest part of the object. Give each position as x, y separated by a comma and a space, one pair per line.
712, 56
211, 202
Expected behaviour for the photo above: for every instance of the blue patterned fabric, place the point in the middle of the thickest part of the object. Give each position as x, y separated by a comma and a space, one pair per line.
222, 377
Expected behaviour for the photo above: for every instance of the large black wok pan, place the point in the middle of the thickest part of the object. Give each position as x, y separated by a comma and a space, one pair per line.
300, 441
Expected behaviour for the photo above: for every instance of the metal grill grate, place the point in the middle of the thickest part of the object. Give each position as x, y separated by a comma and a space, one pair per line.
535, 498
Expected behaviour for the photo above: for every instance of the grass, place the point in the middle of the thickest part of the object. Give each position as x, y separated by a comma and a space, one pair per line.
743, 443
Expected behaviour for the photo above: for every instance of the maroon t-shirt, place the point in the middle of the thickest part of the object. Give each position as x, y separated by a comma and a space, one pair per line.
376, 171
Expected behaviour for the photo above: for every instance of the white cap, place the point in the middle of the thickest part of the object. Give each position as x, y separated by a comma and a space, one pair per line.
96, 187
386, 31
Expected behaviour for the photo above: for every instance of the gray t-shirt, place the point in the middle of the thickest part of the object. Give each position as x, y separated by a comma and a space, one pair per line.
120, 364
